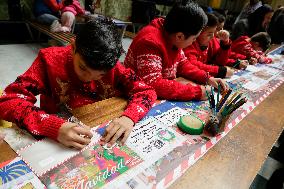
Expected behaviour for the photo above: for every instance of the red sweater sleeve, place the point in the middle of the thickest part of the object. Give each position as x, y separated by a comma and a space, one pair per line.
191, 53
79, 9
141, 96
54, 5
189, 71
18, 99
219, 55
150, 68
234, 55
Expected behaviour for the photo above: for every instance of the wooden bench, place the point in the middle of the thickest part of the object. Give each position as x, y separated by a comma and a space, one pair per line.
63, 37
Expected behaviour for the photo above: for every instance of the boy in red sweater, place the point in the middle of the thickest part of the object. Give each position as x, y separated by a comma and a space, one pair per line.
234, 60
253, 48
73, 76
209, 55
156, 54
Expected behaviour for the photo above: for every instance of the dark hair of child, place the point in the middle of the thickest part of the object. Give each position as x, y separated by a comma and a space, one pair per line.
212, 20
186, 17
263, 39
99, 43
221, 18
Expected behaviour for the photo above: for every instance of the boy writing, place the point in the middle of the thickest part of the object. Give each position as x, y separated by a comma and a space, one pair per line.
253, 48
83, 73
156, 54
209, 53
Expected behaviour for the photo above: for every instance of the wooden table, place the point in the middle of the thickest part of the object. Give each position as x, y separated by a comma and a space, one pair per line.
235, 160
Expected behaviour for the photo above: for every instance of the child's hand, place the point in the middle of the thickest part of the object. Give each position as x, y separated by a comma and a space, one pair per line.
117, 128
243, 64
224, 36
229, 72
215, 81
72, 135
203, 92
252, 61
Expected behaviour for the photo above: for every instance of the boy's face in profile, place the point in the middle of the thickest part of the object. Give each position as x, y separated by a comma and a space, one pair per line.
206, 35
83, 72
183, 42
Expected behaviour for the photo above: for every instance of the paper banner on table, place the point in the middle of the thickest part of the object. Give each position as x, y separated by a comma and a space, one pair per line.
152, 139
95, 167
17, 175
17, 138
46, 154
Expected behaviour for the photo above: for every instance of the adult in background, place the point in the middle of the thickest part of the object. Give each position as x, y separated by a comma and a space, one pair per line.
258, 21
249, 8
276, 27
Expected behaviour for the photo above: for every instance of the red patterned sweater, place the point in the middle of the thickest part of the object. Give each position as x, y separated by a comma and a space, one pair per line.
158, 64
243, 46
214, 55
52, 76
215, 49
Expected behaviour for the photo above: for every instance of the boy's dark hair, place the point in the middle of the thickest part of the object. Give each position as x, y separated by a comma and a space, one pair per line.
186, 17
263, 39
212, 20
221, 18
99, 43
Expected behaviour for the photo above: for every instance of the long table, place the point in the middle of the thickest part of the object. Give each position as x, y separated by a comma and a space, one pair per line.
236, 159
232, 163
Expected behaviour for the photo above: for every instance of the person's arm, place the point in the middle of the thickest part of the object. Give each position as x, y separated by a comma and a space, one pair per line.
18, 99
53, 5
234, 55
79, 9
264, 59
141, 96
191, 56
150, 68
220, 55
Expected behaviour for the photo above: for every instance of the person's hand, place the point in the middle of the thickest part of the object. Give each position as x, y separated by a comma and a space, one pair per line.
214, 82
243, 64
203, 92
72, 135
224, 36
252, 61
229, 72
118, 127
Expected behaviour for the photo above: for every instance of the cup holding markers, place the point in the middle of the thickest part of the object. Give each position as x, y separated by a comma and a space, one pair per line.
222, 109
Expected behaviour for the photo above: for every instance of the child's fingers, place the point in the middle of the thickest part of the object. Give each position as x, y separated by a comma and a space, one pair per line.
79, 139
126, 135
224, 85
77, 145
117, 135
84, 131
110, 131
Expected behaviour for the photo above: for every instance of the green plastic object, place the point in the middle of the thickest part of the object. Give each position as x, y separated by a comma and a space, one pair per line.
191, 124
